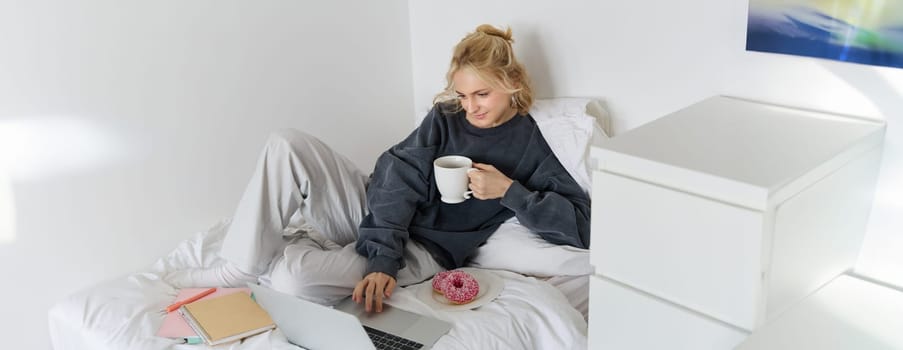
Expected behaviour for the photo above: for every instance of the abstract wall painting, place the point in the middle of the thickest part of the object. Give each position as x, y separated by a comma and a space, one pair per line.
861, 31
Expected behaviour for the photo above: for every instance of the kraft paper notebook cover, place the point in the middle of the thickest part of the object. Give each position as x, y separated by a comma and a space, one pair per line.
227, 318
174, 325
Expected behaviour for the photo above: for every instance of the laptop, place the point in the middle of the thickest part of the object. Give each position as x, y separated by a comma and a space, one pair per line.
348, 325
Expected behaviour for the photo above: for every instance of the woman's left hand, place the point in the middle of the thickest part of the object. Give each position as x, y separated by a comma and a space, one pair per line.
487, 182
372, 288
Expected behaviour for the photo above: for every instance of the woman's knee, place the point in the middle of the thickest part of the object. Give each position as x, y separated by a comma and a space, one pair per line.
288, 139
296, 144
303, 272
284, 283
291, 279
287, 135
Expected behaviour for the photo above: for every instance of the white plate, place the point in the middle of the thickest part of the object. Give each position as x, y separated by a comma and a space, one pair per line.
490, 287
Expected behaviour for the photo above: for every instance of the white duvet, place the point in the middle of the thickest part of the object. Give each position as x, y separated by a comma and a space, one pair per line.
124, 313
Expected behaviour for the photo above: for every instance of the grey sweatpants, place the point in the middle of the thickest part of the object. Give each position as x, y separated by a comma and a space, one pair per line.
298, 175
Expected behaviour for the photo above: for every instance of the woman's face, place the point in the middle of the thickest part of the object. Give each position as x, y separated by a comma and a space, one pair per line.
486, 107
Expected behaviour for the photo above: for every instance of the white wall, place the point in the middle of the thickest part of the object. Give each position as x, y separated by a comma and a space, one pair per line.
645, 60
127, 126
130, 126
642, 63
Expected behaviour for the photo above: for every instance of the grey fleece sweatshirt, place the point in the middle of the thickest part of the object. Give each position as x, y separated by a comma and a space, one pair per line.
404, 201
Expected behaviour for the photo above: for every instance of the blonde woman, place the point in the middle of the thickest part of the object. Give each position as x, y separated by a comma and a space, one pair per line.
368, 235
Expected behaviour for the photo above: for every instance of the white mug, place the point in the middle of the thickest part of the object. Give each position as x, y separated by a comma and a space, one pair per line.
451, 178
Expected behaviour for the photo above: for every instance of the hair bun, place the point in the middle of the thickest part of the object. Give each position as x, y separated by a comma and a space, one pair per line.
491, 30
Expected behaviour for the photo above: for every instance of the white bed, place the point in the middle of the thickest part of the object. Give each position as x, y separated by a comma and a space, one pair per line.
543, 304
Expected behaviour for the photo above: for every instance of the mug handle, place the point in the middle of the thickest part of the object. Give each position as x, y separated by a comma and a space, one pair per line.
468, 193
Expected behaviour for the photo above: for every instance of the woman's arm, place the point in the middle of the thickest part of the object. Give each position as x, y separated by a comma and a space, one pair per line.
400, 182
556, 207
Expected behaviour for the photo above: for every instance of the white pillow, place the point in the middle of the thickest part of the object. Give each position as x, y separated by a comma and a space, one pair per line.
569, 131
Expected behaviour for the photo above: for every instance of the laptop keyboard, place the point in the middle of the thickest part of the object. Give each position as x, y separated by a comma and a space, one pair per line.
383, 340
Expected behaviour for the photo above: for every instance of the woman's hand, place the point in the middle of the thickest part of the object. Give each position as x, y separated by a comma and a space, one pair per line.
371, 290
488, 182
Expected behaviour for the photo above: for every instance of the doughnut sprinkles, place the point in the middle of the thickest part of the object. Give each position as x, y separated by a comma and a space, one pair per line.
439, 282
457, 286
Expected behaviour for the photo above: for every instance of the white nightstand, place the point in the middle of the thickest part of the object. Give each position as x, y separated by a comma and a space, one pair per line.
721, 215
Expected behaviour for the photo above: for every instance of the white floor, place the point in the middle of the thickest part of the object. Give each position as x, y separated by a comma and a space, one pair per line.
848, 313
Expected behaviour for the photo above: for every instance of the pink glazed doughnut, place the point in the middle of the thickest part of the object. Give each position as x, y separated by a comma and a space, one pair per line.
461, 287
439, 281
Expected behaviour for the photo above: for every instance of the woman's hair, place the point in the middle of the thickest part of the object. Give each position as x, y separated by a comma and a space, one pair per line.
487, 52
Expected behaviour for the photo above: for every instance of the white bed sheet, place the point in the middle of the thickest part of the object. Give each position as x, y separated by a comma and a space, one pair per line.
123, 313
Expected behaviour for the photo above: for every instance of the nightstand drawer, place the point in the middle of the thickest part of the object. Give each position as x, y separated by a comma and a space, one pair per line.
623, 318
691, 250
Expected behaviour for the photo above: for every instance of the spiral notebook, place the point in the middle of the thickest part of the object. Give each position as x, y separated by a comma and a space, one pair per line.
226, 318
174, 325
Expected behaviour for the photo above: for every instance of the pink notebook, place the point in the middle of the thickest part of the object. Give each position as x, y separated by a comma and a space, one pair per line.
174, 326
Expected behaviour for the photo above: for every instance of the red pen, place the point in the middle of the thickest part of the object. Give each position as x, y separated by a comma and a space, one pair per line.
178, 304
